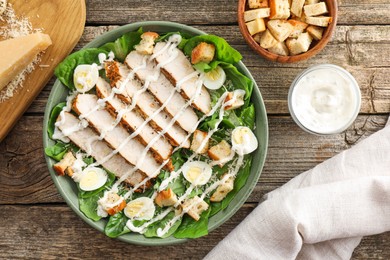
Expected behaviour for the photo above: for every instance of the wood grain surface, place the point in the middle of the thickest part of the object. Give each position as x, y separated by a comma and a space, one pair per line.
64, 22
39, 224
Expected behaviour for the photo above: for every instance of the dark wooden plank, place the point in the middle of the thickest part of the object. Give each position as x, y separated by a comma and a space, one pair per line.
24, 178
214, 12
62, 234
33, 233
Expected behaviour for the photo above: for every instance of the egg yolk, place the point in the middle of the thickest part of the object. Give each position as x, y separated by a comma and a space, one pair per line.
214, 74
83, 78
193, 173
90, 179
134, 209
239, 135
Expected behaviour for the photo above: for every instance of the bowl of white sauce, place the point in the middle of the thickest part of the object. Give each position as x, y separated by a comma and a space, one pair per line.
324, 99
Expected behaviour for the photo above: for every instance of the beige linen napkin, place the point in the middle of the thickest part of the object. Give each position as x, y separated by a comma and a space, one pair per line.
322, 213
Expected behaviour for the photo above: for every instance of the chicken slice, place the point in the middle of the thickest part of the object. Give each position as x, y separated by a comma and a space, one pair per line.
116, 136
133, 121
99, 150
147, 105
162, 89
179, 69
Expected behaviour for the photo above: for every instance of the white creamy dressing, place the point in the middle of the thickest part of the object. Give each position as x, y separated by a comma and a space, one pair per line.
232, 173
57, 132
170, 48
325, 101
104, 203
77, 167
224, 160
174, 175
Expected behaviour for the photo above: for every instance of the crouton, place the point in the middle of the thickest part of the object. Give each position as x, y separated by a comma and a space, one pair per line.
251, 15
257, 3
310, 2
256, 26
253, 4
280, 9
194, 207
224, 188
238, 95
263, 3
301, 18
197, 139
203, 52
267, 40
166, 198
280, 29
322, 21
146, 44
220, 152
296, 7
315, 9
315, 32
299, 45
69, 171
113, 198
257, 37
299, 27
280, 49
67, 161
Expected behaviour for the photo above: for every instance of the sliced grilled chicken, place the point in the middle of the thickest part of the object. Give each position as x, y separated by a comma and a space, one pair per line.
115, 135
178, 70
99, 150
133, 121
162, 89
147, 105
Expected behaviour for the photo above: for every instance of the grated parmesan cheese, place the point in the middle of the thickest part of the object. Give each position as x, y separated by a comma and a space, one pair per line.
3, 6
15, 27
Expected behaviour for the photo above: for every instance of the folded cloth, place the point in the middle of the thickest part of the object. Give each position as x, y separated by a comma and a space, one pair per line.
322, 213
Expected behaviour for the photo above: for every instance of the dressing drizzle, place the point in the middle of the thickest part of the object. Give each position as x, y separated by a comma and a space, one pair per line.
171, 49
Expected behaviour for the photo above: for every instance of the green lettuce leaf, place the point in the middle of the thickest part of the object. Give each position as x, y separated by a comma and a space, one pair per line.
53, 118
116, 225
239, 182
152, 229
89, 206
88, 200
190, 228
178, 186
64, 71
123, 45
184, 38
57, 151
247, 116
239, 80
223, 51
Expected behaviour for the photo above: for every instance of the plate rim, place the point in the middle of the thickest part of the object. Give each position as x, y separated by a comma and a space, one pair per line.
241, 196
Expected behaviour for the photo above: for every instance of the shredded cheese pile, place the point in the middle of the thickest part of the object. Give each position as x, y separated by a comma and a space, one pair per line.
15, 27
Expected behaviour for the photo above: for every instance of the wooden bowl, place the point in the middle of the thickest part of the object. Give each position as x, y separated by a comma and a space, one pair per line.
315, 47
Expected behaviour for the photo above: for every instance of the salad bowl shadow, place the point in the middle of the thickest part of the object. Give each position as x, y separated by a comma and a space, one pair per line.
68, 188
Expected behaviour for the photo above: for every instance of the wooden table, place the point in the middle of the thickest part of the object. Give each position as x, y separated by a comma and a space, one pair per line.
36, 223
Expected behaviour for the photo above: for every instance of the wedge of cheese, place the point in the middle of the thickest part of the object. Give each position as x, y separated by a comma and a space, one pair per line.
17, 53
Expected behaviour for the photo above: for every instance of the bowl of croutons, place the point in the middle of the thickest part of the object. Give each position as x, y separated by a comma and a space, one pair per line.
287, 30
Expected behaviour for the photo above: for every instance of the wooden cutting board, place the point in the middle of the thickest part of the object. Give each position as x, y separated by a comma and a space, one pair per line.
64, 21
